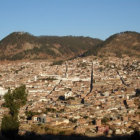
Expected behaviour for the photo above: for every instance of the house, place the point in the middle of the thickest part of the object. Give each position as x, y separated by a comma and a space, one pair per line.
103, 129
98, 122
68, 94
34, 118
60, 121
125, 118
80, 130
39, 118
3, 91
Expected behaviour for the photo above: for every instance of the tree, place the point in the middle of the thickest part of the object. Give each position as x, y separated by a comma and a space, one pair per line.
13, 100
9, 126
20, 95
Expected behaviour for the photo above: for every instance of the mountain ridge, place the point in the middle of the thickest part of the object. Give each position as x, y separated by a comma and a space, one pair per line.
23, 45
123, 43
19, 45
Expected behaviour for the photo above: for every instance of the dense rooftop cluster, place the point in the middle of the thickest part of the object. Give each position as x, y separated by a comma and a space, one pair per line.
60, 97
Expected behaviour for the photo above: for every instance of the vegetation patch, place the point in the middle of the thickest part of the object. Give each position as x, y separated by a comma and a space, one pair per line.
13, 100
60, 62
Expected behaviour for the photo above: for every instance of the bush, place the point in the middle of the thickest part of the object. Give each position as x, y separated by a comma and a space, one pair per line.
51, 110
49, 79
85, 117
73, 120
60, 62
104, 120
118, 54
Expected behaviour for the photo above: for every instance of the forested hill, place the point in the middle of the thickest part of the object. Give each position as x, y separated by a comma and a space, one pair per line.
22, 45
127, 43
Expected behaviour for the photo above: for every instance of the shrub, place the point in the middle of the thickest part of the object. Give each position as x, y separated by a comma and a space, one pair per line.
60, 62
104, 120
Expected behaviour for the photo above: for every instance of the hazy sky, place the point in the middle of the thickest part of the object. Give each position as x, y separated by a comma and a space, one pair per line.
94, 18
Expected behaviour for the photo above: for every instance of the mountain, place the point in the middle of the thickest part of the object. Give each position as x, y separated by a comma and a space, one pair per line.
118, 44
22, 45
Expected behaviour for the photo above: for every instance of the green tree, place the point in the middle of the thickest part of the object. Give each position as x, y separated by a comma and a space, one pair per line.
13, 100
20, 95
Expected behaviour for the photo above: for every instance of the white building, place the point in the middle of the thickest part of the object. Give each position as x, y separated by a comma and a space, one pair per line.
3, 91
68, 94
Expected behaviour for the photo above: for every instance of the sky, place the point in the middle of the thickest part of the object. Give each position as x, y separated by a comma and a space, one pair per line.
93, 18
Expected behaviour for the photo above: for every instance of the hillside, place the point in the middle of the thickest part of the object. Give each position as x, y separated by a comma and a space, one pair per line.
118, 44
22, 45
